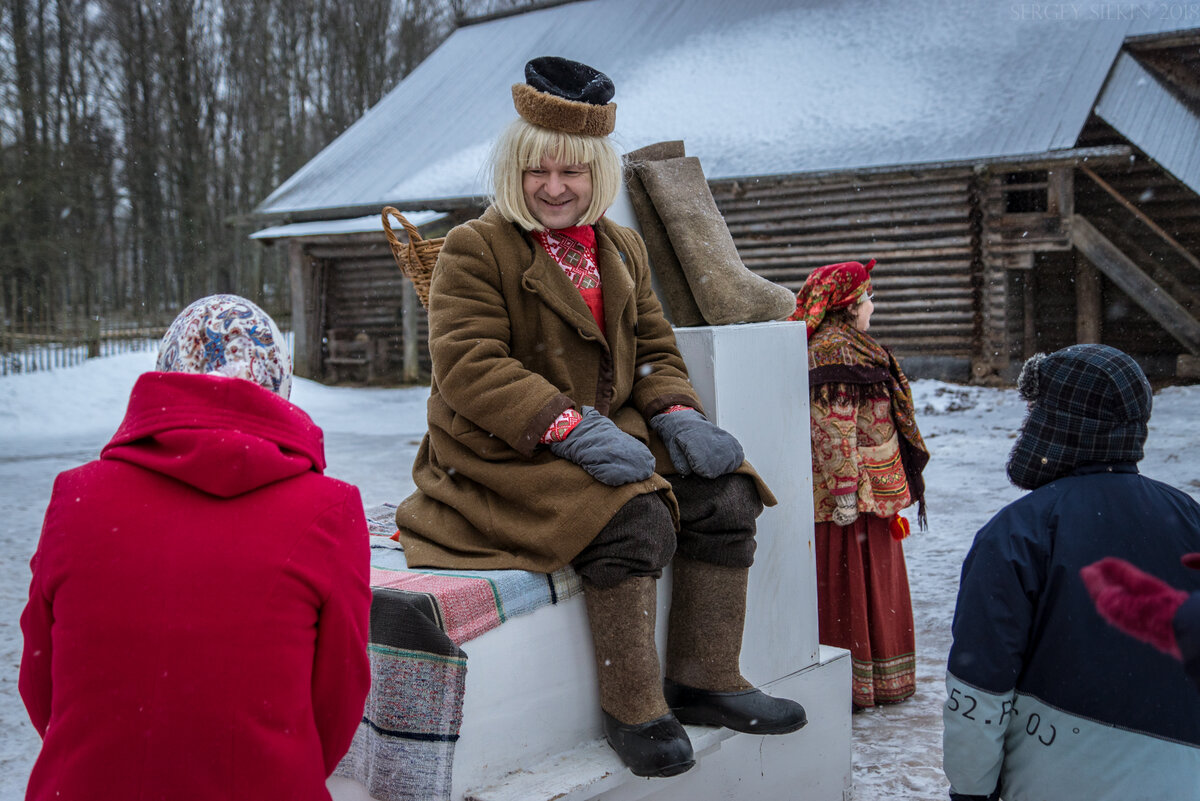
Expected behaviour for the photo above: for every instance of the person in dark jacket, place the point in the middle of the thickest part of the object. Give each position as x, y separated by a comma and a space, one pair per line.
563, 430
1045, 700
197, 619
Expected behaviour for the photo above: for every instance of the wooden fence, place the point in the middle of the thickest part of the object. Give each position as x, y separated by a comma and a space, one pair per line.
36, 348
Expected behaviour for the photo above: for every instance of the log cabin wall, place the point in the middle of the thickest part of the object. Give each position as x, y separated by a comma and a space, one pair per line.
978, 265
924, 229
361, 322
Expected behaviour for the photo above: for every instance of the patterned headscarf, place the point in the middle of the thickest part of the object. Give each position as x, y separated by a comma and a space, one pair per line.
228, 335
833, 286
1087, 404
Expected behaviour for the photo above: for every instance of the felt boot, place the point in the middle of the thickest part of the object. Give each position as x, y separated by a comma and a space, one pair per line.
704, 681
678, 303
725, 290
637, 722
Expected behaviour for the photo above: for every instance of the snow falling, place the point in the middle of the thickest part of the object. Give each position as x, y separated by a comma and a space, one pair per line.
52, 421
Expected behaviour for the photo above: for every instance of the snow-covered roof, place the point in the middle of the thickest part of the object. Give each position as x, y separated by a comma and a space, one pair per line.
1136, 103
756, 87
371, 223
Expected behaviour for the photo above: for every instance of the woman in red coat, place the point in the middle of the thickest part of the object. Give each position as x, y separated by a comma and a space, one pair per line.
197, 618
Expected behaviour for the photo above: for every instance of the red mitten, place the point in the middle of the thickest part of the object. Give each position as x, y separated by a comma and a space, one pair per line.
1191, 560
1134, 602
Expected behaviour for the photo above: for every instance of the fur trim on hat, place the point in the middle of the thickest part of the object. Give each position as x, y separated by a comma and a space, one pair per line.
559, 114
1027, 382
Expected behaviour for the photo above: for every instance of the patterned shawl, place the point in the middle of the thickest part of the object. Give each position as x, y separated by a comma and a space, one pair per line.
839, 353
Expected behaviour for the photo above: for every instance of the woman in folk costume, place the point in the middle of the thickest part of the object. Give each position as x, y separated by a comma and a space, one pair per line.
563, 430
198, 612
867, 458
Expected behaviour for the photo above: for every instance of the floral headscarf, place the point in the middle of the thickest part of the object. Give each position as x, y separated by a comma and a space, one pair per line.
228, 335
833, 286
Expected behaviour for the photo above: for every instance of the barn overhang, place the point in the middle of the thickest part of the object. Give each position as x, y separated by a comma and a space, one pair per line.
1147, 112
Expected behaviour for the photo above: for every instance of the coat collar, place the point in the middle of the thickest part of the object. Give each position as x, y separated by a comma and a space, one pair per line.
615, 276
546, 279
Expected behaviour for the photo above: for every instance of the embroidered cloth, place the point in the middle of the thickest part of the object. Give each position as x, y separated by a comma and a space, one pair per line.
404, 747
574, 249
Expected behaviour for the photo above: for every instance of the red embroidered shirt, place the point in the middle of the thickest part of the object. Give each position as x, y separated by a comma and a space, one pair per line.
574, 249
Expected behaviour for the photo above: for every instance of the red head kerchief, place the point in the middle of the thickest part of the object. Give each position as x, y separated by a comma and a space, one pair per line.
833, 286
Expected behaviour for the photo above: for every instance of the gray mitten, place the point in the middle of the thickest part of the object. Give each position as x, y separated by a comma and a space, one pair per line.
847, 508
605, 451
696, 445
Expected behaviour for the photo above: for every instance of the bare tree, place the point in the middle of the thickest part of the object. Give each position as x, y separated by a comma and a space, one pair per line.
137, 135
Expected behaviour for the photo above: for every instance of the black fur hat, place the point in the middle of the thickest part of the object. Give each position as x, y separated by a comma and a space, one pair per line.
566, 96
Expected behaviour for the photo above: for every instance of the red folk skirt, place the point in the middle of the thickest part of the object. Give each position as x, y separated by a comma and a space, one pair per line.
863, 605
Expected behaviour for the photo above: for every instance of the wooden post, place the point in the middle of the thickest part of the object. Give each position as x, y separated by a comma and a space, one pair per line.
308, 303
1089, 304
300, 322
1060, 192
409, 311
1029, 343
93, 337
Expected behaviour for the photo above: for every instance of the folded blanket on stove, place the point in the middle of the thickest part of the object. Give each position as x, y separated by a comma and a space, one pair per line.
404, 747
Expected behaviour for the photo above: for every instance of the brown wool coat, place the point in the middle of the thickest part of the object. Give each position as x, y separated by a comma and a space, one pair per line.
513, 346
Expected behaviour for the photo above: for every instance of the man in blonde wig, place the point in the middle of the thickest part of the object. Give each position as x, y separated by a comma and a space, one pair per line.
563, 430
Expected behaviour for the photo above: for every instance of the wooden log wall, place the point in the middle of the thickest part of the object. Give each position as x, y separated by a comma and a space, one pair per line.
974, 264
363, 294
918, 226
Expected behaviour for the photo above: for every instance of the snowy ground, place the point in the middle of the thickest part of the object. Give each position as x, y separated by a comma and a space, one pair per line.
53, 421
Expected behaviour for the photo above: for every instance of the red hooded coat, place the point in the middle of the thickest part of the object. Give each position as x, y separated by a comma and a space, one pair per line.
197, 620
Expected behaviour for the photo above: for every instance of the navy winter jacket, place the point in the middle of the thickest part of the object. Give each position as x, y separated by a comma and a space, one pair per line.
1045, 700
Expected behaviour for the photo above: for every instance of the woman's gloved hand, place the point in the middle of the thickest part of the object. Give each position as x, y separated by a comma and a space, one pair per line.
1135, 602
608, 454
847, 508
696, 445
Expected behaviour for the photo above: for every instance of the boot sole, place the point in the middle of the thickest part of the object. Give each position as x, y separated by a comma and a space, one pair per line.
659, 773
706, 717
668, 771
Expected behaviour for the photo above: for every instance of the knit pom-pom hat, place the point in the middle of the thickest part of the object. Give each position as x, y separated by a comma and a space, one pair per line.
1088, 404
566, 96
228, 335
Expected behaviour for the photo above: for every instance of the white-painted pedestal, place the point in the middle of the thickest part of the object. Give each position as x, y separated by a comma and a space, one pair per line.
531, 719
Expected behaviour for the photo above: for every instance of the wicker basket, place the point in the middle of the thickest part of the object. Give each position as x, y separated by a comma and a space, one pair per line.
416, 256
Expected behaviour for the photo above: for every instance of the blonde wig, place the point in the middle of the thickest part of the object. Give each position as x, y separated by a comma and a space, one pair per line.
522, 147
